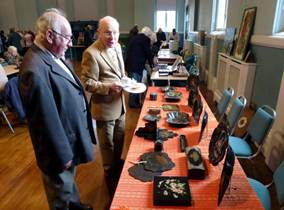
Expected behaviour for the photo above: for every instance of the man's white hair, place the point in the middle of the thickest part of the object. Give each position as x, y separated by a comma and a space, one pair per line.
50, 19
107, 19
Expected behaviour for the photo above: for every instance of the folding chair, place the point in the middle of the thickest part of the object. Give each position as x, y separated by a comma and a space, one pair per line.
258, 129
224, 102
262, 190
236, 112
3, 108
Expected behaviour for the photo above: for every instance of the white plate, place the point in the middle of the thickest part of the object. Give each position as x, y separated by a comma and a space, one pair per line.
136, 88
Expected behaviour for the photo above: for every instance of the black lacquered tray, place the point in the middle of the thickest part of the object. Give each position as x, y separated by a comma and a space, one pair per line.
171, 191
178, 119
173, 96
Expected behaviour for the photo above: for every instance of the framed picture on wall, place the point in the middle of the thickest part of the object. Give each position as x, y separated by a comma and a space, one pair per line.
245, 33
228, 40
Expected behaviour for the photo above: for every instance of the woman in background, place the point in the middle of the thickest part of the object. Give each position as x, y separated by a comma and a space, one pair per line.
12, 56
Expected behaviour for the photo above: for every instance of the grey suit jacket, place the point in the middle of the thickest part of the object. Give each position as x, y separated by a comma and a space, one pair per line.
99, 72
60, 124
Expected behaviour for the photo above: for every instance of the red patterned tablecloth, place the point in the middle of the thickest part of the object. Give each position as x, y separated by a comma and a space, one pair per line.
132, 194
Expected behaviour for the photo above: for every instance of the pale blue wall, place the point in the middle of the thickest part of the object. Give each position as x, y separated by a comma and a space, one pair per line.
270, 65
103, 8
180, 15
128, 12
24, 20
204, 15
144, 11
45, 4
235, 12
270, 62
124, 12
264, 15
69, 9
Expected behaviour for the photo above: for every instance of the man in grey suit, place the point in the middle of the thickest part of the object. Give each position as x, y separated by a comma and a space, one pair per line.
102, 70
60, 123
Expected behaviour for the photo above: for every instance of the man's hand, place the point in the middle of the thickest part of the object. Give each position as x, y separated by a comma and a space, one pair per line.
67, 165
116, 87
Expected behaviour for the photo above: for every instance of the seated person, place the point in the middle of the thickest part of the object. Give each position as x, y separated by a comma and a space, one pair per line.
9, 95
3, 78
12, 56
174, 35
3, 81
13, 99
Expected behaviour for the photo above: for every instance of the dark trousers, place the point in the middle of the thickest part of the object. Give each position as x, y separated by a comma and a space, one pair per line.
61, 189
135, 100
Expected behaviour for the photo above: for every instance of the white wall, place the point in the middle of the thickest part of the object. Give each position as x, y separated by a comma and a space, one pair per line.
8, 17
204, 18
23, 13
86, 10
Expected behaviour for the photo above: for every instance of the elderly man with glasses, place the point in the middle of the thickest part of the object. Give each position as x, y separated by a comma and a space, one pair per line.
102, 71
60, 123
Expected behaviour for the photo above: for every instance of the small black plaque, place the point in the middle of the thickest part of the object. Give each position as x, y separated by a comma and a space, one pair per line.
171, 191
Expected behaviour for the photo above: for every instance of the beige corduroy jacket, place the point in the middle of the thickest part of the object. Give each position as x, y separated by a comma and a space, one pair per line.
99, 72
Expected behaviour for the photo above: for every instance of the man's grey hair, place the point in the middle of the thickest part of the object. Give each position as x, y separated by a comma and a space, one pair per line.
148, 32
49, 20
56, 10
107, 19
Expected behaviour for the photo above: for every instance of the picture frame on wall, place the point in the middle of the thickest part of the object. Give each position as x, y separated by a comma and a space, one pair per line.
228, 40
245, 31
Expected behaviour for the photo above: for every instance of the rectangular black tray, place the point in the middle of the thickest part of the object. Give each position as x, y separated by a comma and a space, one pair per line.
165, 196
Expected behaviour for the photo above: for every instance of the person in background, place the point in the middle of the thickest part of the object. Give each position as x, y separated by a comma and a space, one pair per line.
15, 39
3, 82
3, 79
138, 53
3, 38
12, 56
59, 120
102, 71
2, 48
28, 38
133, 31
88, 36
154, 50
161, 36
174, 35
80, 39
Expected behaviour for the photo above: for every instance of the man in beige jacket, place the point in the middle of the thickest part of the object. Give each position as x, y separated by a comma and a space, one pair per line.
102, 70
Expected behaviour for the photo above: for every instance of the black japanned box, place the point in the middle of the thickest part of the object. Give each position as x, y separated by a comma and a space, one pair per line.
171, 191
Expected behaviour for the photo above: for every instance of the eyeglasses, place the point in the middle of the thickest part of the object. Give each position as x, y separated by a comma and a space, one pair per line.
110, 33
67, 37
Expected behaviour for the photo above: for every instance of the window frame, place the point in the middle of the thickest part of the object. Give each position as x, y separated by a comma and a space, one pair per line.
278, 25
166, 29
215, 7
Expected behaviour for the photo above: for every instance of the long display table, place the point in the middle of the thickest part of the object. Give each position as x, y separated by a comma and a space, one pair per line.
132, 194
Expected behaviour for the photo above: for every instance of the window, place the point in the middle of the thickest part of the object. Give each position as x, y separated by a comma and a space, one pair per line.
166, 20
278, 26
165, 15
219, 20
